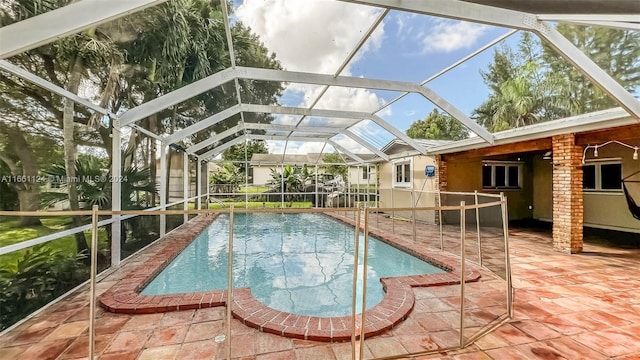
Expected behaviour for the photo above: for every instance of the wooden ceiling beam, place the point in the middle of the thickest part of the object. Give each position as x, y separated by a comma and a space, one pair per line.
505, 149
621, 133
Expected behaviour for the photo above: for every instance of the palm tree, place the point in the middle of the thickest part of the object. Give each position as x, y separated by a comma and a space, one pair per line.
94, 188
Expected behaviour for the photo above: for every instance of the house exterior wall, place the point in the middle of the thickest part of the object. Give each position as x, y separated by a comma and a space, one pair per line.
175, 185
542, 189
355, 174
423, 188
262, 174
464, 174
602, 209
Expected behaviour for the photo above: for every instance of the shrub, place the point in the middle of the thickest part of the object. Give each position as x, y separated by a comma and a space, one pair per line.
31, 282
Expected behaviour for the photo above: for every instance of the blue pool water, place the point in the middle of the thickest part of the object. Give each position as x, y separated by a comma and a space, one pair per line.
299, 263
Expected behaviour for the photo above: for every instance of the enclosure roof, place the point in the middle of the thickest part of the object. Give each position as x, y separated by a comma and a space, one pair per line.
537, 16
566, 6
293, 159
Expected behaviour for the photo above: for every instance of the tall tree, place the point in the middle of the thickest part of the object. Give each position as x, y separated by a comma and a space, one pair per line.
535, 84
24, 171
439, 126
238, 153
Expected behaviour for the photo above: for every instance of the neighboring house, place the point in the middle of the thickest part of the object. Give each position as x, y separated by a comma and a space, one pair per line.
263, 164
403, 181
176, 185
541, 171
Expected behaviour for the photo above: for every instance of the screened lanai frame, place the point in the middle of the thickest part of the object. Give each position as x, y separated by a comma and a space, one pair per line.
517, 15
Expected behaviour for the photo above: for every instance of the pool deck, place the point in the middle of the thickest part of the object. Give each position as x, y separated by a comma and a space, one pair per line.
584, 306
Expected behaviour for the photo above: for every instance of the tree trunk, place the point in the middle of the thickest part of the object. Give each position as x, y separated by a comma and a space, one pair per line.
28, 191
70, 150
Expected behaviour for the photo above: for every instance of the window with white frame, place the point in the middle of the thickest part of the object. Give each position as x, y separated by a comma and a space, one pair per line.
602, 175
365, 173
402, 173
501, 175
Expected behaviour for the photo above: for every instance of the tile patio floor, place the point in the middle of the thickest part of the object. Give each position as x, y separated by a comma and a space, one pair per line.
584, 306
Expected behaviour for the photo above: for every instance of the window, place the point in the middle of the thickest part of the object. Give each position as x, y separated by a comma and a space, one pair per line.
365, 173
402, 173
501, 175
602, 176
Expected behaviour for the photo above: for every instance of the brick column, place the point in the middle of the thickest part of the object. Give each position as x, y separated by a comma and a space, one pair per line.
441, 180
441, 168
568, 204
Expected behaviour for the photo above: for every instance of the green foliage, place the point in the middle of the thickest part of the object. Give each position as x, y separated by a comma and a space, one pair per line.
534, 84
227, 174
40, 276
294, 179
94, 184
334, 164
438, 126
243, 151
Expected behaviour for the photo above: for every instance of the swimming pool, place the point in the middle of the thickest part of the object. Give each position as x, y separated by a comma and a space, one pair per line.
299, 263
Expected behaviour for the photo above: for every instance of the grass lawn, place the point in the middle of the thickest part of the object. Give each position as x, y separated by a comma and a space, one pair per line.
254, 189
11, 233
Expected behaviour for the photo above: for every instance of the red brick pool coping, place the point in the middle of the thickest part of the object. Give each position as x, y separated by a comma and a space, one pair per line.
397, 303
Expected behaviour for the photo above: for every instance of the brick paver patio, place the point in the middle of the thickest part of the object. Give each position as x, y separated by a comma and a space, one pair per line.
584, 306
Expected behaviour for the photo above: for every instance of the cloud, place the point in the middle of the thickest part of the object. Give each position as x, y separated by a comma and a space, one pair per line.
448, 35
312, 36
315, 36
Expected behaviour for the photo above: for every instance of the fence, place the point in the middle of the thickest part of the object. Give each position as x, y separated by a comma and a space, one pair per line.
487, 253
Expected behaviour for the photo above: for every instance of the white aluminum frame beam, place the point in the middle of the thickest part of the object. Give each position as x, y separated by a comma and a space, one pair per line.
282, 127
630, 18
356, 82
213, 139
287, 111
73, 18
365, 143
374, 25
454, 9
177, 96
339, 147
45, 84
215, 151
288, 138
611, 24
485, 14
589, 68
451, 67
203, 124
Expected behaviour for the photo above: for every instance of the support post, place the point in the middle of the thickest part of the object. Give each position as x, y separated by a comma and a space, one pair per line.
393, 214
354, 288
246, 177
364, 280
463, 214
229, 281
185, 185
478, 228
199, 184
163, 187
440, 220
92, 288
413, 214
116, 192
317, 186
507, 261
